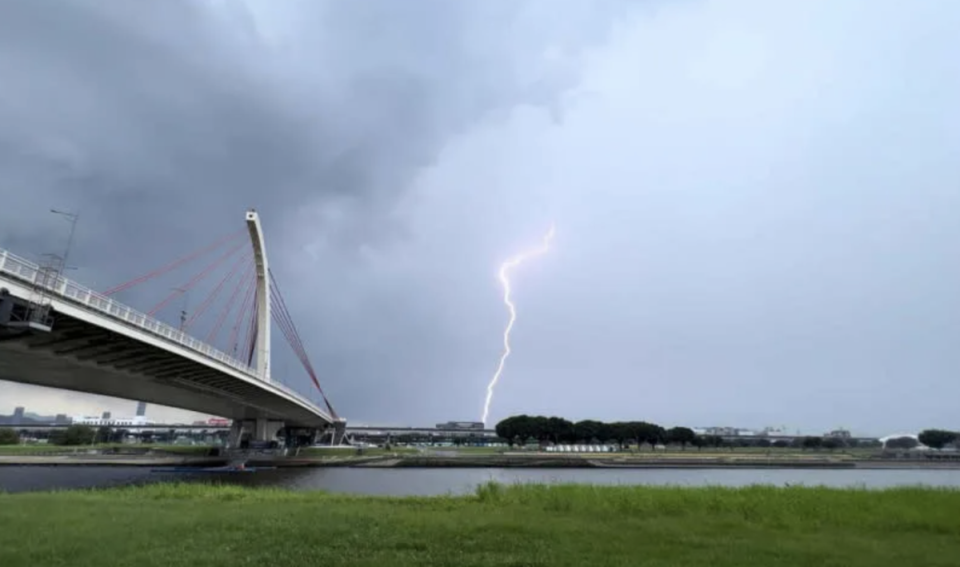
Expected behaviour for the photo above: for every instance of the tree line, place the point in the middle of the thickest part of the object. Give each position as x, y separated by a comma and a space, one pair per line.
937, 438
69, 436
521, 429
524, 429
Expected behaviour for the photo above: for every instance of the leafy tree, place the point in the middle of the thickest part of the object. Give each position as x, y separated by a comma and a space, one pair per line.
714, 441
588, 429
781, 443
651, 433
104, 434
525, 428
641, 432
73, 435
937, 438
9, 437
681, 435
811, 442
559, 430
831, 443
619, 432
511, 429
763, 443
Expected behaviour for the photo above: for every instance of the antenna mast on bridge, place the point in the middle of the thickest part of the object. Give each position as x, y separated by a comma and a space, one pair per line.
263, 294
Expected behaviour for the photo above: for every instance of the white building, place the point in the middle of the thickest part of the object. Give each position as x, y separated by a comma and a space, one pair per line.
138, 421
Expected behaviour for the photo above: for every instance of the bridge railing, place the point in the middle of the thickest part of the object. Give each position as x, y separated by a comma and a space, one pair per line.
57, 285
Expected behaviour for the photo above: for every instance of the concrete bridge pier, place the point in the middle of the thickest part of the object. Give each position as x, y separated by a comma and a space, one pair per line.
335, 433
260, 429
339, 431
6, 307
266, 430
295, 437
236, 435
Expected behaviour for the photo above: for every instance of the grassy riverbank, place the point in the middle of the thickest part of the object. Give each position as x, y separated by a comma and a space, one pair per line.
530, 525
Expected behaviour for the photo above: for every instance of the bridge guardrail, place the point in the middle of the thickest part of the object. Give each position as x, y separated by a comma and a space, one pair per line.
25, 270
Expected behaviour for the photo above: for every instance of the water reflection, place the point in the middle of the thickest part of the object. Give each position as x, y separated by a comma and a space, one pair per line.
428, 482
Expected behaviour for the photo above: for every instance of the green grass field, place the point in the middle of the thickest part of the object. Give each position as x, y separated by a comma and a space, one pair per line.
499, 526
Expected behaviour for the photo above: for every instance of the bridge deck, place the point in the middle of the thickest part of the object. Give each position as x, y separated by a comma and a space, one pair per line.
101, 346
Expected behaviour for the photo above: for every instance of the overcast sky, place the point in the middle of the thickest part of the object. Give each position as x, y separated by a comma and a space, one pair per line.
757, 203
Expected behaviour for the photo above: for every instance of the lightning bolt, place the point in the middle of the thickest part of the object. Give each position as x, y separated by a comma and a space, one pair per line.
505, 269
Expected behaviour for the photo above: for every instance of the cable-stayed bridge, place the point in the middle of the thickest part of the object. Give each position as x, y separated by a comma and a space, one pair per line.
59, 333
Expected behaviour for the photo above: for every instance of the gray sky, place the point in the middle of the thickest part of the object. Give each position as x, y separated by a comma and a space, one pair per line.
756, 202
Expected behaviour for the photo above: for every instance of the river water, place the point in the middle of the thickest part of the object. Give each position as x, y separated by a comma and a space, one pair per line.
427, 482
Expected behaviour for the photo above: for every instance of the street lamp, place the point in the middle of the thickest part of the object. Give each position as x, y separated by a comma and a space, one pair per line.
183, 310
73, 218
58, 259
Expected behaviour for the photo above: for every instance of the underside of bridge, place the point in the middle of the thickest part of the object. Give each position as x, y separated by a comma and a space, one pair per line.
82, 357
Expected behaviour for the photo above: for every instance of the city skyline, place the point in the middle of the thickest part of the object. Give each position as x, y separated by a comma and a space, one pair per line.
709, 429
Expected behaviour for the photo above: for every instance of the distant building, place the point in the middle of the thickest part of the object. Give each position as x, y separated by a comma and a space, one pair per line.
721, 431
463, 425
106, 420
774, 431
18, 415
213, 422
839, 434
61, 419
141, 409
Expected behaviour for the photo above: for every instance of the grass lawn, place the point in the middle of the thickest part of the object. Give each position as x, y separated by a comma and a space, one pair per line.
515, 526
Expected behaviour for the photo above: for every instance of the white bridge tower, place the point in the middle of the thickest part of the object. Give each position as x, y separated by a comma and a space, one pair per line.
263, 294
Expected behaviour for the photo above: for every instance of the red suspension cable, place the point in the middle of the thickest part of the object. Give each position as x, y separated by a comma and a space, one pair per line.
174, 264
196, 279
299, 345
245, 306
286, 333
285, 325
298, 352
207, 301
231, 303
285, 313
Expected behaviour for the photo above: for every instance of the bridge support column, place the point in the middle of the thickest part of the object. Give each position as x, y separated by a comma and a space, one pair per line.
6, 306
236, 435
339, 431
266, 430
261, 429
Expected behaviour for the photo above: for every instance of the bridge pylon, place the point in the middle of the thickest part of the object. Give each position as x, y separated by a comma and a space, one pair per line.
262, 295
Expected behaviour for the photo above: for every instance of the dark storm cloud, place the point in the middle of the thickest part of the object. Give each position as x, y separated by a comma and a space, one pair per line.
161, 121
173, 115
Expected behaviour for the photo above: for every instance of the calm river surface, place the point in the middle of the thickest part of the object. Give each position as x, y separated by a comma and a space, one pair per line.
458, 481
